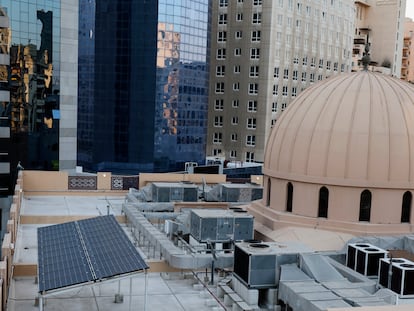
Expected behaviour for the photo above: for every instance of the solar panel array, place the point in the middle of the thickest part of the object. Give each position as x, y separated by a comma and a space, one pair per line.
83, 251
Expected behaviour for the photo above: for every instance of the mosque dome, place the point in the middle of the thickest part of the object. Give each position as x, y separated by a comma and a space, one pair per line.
352, 129
341, 158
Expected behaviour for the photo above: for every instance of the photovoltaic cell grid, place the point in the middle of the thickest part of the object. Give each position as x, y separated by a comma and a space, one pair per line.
82, 251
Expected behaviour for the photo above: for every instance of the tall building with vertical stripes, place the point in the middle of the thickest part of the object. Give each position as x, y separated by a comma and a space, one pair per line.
263, 54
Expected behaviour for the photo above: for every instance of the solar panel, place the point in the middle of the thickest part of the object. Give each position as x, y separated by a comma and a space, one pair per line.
85, 250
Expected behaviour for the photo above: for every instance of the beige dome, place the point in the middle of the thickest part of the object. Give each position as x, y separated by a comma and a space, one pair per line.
352, 130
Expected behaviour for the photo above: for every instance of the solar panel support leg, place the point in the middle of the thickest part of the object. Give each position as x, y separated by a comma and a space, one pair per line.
40, 303
145, 290
130, 293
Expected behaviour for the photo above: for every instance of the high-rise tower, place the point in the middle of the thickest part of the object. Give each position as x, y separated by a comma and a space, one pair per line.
42, 82
143, 86
264, 53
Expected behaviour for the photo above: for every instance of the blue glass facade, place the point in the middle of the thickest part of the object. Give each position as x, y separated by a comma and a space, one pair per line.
146, 108
33, 82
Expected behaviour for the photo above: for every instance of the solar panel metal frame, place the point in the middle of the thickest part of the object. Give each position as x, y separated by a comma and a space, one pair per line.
88, 250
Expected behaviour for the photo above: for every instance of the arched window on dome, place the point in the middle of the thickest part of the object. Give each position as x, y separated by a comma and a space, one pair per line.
406, 207
289, 197
269, 189
323, 202
365, 206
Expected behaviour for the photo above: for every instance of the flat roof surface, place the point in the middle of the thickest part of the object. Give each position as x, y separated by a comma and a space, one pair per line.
164, 291
162, 294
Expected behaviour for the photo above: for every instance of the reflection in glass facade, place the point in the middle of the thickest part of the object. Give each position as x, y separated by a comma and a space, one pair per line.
33, 82
146, 107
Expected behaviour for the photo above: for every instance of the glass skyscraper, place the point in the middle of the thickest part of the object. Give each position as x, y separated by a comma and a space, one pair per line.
39, 79
143, 85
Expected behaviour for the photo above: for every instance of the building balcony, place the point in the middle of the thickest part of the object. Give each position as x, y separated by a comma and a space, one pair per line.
366, 3
359, 40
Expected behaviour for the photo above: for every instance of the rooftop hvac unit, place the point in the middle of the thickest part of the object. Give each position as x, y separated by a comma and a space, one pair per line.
220, 225
167, 192
257, 265
402, 276
364, 258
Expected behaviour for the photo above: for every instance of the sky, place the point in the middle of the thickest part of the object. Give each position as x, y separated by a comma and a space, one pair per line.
409, 12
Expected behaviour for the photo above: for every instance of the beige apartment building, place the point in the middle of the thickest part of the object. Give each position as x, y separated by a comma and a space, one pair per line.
264, 53
407, 65
381, 23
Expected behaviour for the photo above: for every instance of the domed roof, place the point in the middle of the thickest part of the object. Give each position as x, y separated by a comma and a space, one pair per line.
353, 129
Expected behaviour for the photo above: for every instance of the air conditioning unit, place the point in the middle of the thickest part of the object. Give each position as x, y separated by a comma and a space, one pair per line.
402, 276
220, 225
364, 258
257, 264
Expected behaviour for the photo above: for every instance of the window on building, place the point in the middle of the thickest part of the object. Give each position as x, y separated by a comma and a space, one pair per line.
218, 121
284, 105
216, 152
252, 106
254, 71
219, 87
313, 62
217, 138
237, 51
257, 18
286, 73
222, 20
294, 91
220, 70
223, 3
221, 53
274, 107
235, 120
406, 207
257, 2
233, 137
305, 61
323, 202
312, 77
253, 88
239, 17
236, 68
295, 75
296, 60
238, 34
269, 191
275, 88
219, 104
285, 90
328, 65
254, 53
233, 154
289, 197
365, 206
256, 35
335, 66
250, 140
303, 76
251, 123
249, 156
321, 64
276, 72
236, 86
222, 36
235, 103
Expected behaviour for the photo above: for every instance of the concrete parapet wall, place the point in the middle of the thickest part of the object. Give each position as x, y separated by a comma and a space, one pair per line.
146, 178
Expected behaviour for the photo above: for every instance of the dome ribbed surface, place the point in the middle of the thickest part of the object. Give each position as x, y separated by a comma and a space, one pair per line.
352, 129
